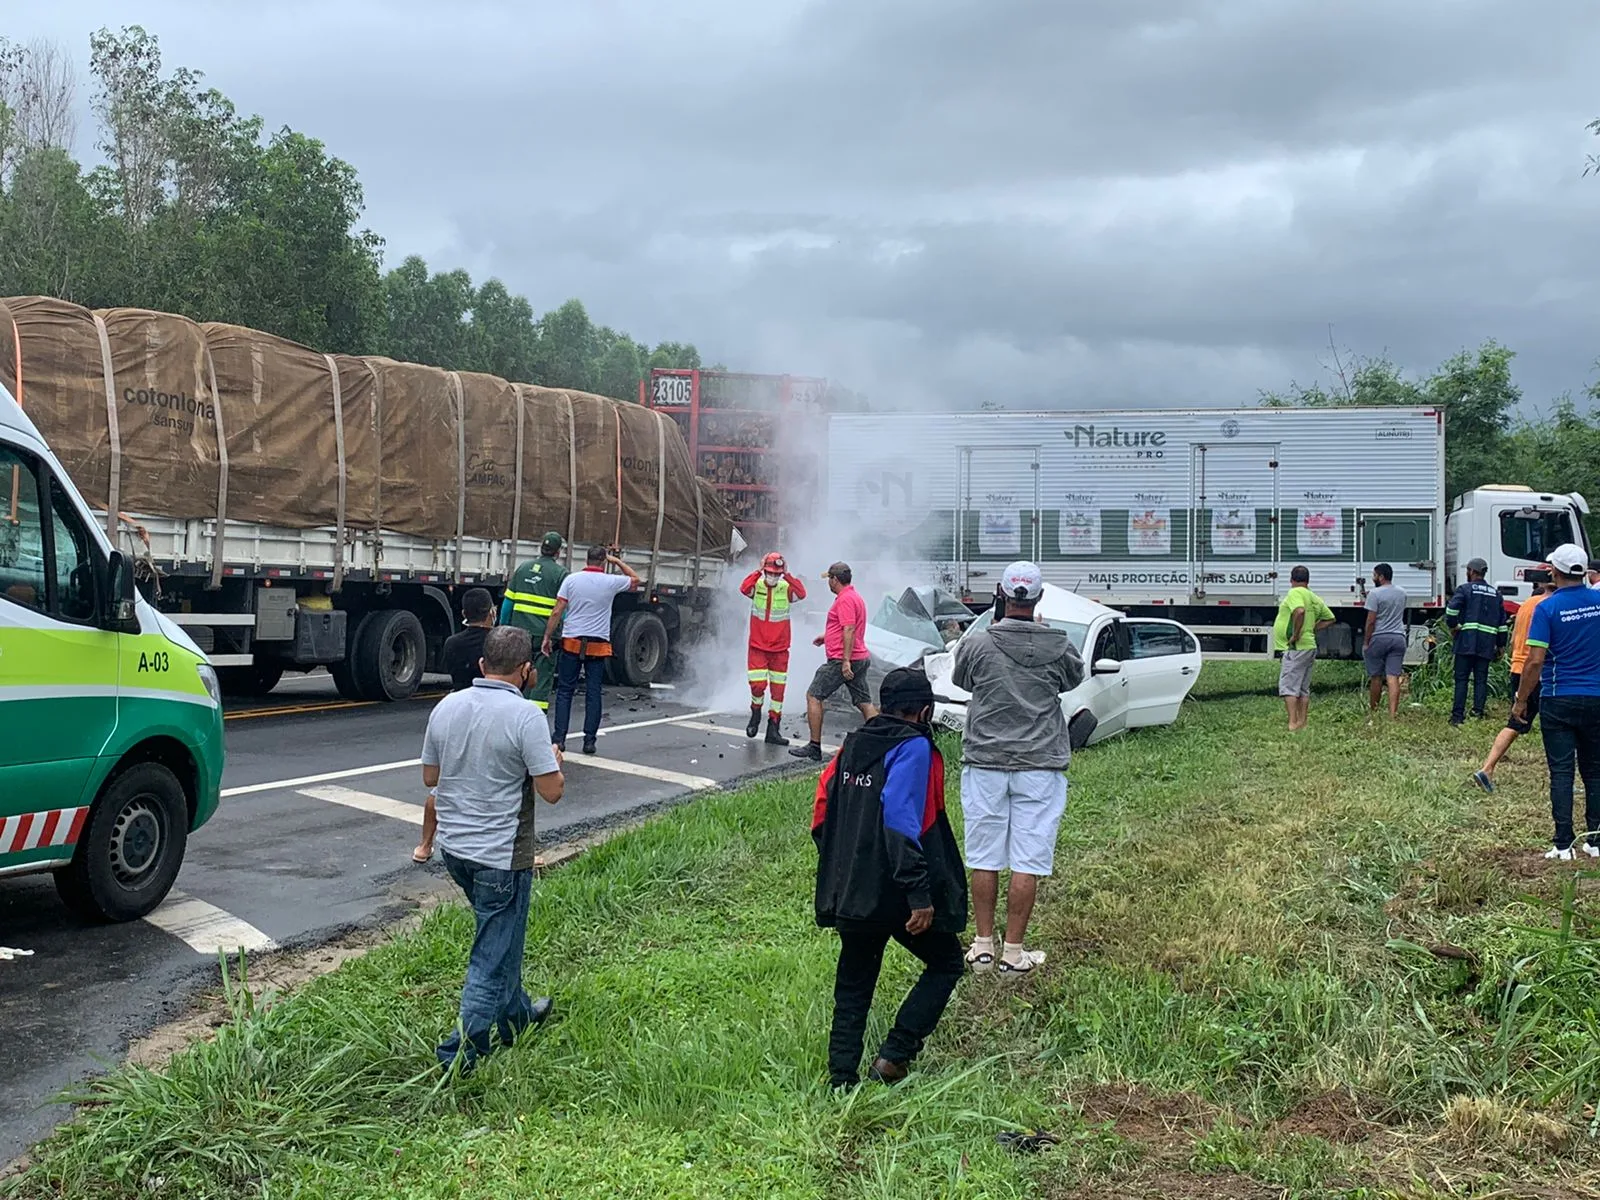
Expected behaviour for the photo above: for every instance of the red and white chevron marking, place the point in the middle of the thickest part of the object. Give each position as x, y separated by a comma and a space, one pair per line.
30, 831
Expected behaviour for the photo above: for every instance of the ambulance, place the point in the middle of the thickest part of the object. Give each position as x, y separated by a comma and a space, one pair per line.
110, 717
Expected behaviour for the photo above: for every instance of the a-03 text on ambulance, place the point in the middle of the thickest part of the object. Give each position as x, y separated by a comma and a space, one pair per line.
110, 717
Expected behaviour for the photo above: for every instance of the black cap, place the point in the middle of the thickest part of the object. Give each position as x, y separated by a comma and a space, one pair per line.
905, 690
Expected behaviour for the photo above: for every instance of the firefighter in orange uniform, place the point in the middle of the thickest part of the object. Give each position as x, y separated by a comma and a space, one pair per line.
770, 590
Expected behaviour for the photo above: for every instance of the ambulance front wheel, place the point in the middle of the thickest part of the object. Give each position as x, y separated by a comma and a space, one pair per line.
131, 848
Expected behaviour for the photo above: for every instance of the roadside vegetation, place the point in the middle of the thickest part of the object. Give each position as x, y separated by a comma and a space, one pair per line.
1312, 966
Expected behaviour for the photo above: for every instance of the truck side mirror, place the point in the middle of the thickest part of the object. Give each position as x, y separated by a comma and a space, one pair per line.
122, 613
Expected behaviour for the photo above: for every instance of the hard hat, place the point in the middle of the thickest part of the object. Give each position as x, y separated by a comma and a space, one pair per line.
774, 562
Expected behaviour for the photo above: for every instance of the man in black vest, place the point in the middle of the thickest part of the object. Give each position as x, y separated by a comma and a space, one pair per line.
888, 868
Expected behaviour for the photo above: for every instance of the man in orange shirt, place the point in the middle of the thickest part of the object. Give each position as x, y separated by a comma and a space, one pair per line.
770, 590
1515, 728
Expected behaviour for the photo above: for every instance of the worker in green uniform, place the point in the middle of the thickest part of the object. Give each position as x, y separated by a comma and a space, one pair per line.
529, 600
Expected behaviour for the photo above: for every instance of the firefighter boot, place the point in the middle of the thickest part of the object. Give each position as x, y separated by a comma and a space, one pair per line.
774, 734
754, 725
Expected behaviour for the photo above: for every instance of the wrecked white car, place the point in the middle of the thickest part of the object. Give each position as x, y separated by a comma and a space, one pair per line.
1137, 670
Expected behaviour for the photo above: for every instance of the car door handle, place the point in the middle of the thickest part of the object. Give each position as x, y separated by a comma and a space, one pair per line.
1186, 671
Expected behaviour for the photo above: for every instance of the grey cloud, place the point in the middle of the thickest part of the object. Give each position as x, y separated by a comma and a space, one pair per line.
937, 201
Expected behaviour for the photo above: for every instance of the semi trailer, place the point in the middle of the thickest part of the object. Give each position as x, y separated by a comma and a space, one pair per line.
1193, 515
292, 510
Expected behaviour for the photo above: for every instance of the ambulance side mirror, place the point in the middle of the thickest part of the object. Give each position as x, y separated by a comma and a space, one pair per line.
122, 614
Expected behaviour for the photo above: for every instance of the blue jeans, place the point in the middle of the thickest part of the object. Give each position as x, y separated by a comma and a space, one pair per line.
492, 999
1572, 746
594, 672
1477, 670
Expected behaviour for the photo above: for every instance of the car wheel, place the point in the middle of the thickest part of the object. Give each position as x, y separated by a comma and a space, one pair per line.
131, 847
1081, 728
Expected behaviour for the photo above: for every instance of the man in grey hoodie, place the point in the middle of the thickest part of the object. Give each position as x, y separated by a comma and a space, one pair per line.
1014, 753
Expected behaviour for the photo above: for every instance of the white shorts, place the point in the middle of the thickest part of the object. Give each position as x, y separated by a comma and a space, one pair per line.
1011, 818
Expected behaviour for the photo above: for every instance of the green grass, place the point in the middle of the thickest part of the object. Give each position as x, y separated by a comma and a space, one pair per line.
1242, 918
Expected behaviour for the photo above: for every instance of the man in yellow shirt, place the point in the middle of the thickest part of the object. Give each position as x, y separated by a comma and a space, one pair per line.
1294, 635
1515, 726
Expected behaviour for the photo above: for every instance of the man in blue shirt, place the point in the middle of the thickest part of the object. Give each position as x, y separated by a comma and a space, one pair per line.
1476, 616
1564, 660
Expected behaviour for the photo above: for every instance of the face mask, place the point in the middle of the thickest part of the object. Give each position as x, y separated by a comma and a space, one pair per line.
772, 578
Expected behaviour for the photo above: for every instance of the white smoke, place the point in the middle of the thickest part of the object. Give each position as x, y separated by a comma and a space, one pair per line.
815, 535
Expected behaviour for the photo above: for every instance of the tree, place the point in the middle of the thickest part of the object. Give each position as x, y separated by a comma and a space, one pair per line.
507, 338
428, 316
194, 212
51, 236
565, 353
1475, 390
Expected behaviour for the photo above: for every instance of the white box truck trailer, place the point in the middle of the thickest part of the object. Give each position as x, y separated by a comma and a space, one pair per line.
1195, 515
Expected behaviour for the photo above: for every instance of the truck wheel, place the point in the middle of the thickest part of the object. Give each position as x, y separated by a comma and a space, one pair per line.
640, 654
391, 654
343, 671
250, 682
131, 848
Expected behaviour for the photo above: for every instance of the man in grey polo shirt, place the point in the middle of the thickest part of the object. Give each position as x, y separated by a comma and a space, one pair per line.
1385, 652
486, 754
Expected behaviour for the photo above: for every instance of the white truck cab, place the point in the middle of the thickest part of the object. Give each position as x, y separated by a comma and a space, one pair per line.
1512, 528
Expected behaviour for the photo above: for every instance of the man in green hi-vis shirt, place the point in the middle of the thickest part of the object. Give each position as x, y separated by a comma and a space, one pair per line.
529, 600
1294, 635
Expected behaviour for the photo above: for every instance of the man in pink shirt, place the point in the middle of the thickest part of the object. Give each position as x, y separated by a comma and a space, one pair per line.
845, 641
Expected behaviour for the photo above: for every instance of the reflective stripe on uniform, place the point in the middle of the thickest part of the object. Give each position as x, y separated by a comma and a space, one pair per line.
770, 602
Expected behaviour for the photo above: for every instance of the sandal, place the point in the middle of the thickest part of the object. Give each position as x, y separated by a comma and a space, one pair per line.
1030, 960
980, 960
420, 858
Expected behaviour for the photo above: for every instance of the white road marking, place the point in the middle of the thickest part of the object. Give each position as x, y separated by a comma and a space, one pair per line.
350, 773
656, 721
207, 928
695, 783
707, 727
366, 802
252, 789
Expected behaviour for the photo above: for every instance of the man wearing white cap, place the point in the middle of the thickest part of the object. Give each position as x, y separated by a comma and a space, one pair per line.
1015, 753
1564, 663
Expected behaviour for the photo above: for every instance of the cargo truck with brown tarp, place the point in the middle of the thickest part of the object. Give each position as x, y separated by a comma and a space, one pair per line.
294, 509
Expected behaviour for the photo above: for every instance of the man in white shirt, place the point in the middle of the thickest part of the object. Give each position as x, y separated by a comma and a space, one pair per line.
487, 754
583, 617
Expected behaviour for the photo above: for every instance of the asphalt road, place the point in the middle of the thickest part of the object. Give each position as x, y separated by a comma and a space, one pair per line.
322, 804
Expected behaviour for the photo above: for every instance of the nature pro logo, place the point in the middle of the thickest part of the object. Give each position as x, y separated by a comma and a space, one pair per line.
1144, 443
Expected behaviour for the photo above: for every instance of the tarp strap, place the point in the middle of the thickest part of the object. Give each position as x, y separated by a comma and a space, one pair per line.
222, 476
338, 445
699, 525
616, 414
16, 350
377, 477
461, 466
572, 475
516, 495
661, 491
113, 431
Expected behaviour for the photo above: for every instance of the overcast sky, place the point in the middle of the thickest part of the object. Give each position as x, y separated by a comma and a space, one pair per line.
1057, 203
